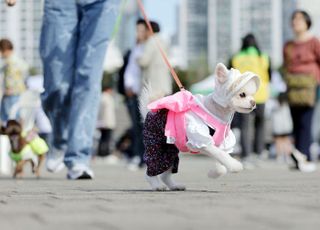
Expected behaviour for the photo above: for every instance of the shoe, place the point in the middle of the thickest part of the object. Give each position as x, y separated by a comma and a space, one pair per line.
307, 167
133, 165
111, 160
301, 163
54, 161
249, 163
80, 172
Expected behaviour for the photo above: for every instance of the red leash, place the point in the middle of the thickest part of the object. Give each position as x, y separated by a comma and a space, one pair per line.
163, 54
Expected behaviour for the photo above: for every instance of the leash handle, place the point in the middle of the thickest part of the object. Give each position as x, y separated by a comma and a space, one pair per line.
163, 54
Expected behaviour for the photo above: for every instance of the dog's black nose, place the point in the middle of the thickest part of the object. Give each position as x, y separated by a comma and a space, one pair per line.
253, 103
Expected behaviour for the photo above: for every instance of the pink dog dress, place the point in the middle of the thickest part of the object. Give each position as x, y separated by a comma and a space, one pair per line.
181, 122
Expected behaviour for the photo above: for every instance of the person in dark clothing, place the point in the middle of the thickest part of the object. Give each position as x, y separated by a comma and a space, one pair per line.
132, 86
250, 58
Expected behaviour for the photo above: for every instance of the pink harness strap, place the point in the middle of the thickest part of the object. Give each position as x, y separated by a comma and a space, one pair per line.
221, 129
180, 103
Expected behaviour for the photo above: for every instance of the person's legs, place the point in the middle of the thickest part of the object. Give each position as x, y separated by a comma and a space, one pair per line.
96, 24
245, 135
295, 114
304, 143
259, 140
137, 127
6, 105
104, 143
57, 50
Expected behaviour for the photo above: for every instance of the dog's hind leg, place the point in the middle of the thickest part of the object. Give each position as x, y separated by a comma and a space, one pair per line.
166, 178
155, 183
217, 171
18, 173
224, 158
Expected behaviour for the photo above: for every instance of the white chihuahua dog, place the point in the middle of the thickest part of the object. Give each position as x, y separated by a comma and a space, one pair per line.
186, 122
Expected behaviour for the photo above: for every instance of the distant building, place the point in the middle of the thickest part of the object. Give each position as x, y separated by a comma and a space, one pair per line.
193, 32
313, 8
287, 10
231, 20
22, 24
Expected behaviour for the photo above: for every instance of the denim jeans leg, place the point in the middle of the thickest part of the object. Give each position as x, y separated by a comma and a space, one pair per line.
57, 50
95, 26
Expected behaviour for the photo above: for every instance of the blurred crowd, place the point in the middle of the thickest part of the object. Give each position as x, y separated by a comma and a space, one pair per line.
284, 126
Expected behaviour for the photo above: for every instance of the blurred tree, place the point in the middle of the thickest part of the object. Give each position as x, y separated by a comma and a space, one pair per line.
197, 71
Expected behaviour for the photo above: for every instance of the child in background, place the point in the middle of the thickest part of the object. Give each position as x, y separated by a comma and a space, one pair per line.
42, 122
14, 71
282, 127
106, 124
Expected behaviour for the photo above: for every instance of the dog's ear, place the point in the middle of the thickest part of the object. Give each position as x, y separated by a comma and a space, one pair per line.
13, 127
2, 130
221, 73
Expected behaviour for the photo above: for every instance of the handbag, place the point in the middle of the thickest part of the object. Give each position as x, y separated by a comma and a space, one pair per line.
301, 89
113, 59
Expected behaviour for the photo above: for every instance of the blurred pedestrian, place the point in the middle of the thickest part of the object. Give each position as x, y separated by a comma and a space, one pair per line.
42, 123
154, 70
250, 58
74, 39
106, 122
14, 71
282, 127
133, 86
302, 74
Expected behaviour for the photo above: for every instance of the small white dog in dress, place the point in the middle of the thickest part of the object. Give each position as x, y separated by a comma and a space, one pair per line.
193, 123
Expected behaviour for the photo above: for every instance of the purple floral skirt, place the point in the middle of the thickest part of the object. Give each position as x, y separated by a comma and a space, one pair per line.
159, 156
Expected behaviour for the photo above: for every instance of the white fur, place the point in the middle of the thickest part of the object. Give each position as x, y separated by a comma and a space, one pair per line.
155, 183
148, 95
227, 84
217, 171
166, 178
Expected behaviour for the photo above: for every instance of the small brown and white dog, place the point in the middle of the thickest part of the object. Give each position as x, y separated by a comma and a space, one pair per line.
24, 148
201, 122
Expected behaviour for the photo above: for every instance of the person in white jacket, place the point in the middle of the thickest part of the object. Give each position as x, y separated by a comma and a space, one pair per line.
154, 70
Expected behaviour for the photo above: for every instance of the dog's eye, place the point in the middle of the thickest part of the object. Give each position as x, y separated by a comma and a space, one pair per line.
242, 95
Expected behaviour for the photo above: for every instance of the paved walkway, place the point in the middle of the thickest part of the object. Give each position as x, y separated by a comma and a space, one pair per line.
271, 197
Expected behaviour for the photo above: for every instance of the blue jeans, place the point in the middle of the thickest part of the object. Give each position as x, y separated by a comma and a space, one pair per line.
6, 104
73, 44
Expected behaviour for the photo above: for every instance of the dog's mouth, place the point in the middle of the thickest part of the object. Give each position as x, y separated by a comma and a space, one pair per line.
249, 109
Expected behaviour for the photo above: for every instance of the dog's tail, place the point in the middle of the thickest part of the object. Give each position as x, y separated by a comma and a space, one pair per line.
148, 95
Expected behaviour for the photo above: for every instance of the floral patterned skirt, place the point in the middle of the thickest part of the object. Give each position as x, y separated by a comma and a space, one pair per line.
159, 156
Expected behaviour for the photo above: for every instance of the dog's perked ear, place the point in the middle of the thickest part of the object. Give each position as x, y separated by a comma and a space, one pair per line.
221, 73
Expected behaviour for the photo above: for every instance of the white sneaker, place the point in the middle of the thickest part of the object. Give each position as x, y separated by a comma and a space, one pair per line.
133, 165
307, 167
111, 160
79, 172
54, 161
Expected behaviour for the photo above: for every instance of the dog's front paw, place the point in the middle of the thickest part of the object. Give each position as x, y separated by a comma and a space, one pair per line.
235, 166
218, 172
